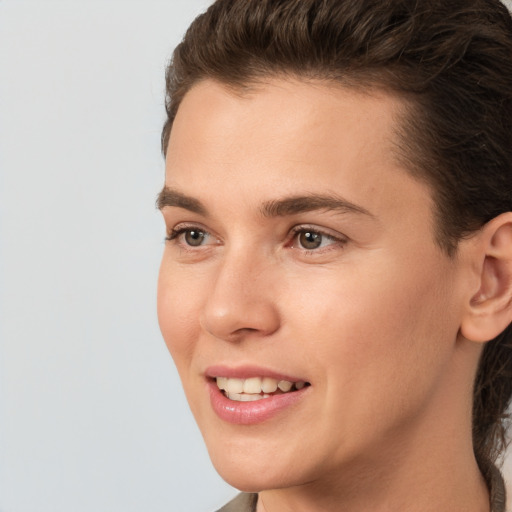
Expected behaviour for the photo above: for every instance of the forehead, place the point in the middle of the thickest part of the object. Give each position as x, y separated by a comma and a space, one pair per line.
290, 136
288, 113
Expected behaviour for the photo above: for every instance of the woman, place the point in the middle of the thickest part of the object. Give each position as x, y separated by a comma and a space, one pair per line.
336, 287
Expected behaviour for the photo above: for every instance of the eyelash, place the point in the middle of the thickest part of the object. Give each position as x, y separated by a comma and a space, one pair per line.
338, 241
177, 232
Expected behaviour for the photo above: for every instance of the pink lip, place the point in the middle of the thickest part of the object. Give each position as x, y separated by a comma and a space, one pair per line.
250, 413
245, 372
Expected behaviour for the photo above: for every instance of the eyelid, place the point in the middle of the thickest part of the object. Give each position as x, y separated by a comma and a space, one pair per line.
181, 228
337, 238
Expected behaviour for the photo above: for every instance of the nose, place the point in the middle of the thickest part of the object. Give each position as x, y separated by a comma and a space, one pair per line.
241, 301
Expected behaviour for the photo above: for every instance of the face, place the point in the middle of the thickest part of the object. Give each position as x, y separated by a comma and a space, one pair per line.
301, 276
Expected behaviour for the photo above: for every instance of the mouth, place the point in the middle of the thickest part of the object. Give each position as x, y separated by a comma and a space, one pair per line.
256, 388
248, 395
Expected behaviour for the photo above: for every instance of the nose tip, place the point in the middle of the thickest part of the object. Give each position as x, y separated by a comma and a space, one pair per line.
239, 321
241, 304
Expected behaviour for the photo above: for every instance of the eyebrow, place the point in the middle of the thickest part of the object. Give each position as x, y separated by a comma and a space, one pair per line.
171, 197
311, 202
286, 206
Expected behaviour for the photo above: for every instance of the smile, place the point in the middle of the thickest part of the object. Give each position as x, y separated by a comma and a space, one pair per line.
256, 388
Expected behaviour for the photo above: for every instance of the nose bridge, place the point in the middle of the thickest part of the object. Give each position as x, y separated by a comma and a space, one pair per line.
241, 296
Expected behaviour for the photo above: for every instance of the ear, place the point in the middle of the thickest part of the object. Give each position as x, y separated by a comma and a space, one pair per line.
489, 310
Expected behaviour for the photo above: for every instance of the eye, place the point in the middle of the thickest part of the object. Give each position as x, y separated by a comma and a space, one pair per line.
311, 239
194, 237
190, 236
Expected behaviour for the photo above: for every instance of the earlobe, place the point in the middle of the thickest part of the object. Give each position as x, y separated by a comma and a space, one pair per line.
489, 310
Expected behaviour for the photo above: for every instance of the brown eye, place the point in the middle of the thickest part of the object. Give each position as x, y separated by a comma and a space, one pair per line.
194, 237
310, 240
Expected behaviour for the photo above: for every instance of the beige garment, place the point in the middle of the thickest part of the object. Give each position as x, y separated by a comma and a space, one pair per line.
245, 502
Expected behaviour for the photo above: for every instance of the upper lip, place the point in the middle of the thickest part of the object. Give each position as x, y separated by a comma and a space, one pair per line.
248, 371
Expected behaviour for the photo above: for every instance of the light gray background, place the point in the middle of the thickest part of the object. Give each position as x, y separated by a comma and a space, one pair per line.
92, 416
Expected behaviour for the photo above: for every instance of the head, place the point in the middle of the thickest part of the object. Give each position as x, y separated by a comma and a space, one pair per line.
448, 68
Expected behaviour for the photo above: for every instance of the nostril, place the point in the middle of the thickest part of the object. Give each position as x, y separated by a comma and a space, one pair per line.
241, 322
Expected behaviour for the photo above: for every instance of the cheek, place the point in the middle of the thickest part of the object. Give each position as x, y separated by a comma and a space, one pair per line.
176, 307
378, 330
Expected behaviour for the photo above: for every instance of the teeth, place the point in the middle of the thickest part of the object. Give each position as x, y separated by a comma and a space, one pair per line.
245, 397
268, 385
252, 385
234, 385
222, 382
285, 385
251, 389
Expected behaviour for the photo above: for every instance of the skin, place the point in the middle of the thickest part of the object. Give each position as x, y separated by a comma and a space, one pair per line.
371, 319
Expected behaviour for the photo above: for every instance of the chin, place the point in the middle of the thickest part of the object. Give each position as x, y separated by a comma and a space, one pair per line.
250, 479
256, 473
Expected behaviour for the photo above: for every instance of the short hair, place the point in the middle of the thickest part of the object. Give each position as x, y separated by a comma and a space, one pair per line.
451, 63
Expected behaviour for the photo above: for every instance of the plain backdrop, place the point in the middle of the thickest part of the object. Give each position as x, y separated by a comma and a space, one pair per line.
92, 416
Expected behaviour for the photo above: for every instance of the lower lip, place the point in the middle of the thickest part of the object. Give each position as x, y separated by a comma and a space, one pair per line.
250, 413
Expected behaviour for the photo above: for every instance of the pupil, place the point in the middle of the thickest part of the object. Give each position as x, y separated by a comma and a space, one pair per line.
194, 237
310, 240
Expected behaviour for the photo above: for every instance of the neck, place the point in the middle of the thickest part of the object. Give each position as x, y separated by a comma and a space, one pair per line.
431, 486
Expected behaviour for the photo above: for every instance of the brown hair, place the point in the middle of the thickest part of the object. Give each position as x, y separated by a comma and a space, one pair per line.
451, 62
